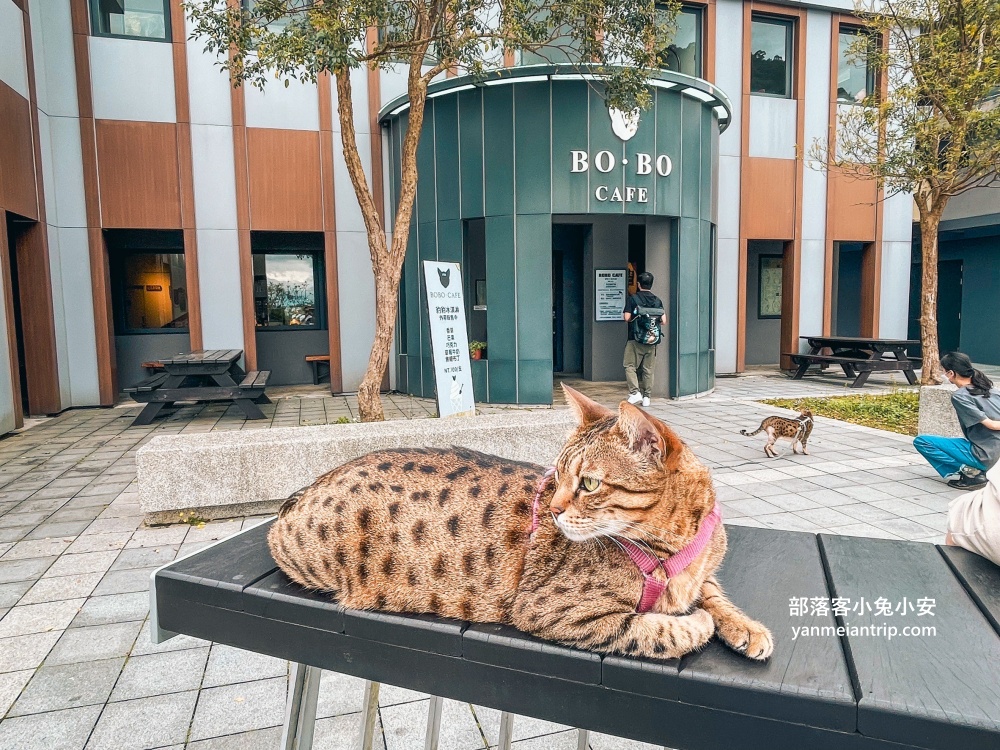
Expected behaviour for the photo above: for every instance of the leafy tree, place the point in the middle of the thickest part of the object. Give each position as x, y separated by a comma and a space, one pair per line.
302, 39
932, 128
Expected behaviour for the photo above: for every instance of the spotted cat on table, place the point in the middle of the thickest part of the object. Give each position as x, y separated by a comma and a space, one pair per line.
612, 549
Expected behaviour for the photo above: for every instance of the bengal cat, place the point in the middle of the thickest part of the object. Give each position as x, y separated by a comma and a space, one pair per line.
449, 532
797, 429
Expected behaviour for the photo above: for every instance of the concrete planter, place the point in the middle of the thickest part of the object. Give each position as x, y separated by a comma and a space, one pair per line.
227, 474
937, 416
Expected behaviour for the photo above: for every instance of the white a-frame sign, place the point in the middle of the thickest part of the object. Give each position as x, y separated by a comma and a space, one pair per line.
449, 339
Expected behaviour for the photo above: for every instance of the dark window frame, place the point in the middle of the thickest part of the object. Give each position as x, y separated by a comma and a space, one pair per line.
95, 18
698, 11
319, 283
871, 80
791, 58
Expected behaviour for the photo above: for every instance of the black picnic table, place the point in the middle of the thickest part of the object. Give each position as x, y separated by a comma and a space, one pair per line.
858, 356
203, 375
860, 688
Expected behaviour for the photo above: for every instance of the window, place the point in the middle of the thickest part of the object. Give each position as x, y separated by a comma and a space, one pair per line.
285, 293
278, 25
771, 56
152, 292
855, 80
138, 19
683, 54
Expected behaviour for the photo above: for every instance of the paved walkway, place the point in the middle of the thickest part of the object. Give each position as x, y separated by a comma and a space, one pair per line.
77, 669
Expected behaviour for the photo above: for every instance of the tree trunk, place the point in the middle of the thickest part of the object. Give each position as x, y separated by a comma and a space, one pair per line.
931, 207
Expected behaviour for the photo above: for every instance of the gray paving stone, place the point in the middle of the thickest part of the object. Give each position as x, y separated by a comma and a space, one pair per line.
21, 519
239, 708
228, 665
258, 739
29, 548
144, 723
62, 587
11, 593
101, 610
58, 730
405, 725
866, 513
391, 695
341, 733
525, 727
792, 501
68, 686
339, 694
100, 542
26, 619
114, 525
566, 740
55, 529
902, 527
11, 685
159, 674
88, 562
752, 507
93, 643
900, 507
143, 644
24, 570
25, 651
608, 742
863, 529
827, 517
145, 557
789, 521
124, 581
156, 537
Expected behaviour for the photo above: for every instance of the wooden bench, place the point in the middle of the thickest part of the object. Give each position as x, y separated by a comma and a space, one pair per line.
824, 690
318, 362
152, 366
149, 384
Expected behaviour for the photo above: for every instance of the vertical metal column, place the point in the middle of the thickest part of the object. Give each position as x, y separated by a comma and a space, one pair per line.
506, 730
582, 739
369, 715
300, 708
433, 722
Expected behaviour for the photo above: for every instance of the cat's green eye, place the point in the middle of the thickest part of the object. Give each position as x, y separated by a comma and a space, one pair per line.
589, 483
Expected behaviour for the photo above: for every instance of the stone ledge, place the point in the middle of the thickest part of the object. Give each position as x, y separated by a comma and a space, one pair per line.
227, 474
937, 415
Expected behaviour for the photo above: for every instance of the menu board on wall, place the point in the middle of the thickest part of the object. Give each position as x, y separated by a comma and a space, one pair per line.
449, 339
609, 301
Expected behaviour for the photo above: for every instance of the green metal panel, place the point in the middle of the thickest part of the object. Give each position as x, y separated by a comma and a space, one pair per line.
643, 142
707, 177
414, 308
503, 381
534, 287
691, 111
446, 153
479, 380
706, 290
689, 301
449, 239
570, 192
533, 188
395, 140
498, 133
535, 381
668, 142
426, 188
470, 140
501, 321
602, 138
427, 368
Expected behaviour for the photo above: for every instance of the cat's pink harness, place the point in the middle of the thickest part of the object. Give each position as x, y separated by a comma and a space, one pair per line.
645, 560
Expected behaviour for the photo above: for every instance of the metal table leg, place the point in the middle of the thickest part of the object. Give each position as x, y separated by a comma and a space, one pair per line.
369, 715
300, 709
433, 723
582, 739
506, 730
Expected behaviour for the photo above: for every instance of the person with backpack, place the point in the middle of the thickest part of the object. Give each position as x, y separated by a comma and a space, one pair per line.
645, 318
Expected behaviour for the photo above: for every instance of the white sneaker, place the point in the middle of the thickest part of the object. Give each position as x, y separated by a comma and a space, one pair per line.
645, 400
635, 398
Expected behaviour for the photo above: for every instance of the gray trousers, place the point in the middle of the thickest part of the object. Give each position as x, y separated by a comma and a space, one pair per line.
639, 361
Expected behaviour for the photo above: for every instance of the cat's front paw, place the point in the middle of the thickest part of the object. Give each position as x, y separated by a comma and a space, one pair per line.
747, 637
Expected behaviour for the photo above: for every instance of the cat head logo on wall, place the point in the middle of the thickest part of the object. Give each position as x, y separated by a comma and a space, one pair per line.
445, 277
624, 124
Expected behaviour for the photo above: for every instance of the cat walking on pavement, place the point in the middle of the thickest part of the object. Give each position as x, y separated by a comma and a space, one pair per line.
796, 429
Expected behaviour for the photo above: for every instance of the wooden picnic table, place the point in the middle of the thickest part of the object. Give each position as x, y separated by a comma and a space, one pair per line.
858, 356
203, 375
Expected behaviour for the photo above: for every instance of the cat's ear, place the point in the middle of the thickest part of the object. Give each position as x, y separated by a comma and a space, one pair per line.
586, 411
644, 432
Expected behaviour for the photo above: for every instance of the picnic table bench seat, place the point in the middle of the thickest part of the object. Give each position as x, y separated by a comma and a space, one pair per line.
858, 357
149, 384
320, 364
825, 691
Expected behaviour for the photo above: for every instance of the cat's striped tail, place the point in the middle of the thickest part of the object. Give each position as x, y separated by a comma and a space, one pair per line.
751, 434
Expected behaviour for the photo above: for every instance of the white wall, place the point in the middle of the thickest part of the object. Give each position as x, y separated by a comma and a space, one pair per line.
293, 108
6, 374
12, 66
132, 79
729, 78
975, 203
897, 233
816, 112
772, 126
65, 207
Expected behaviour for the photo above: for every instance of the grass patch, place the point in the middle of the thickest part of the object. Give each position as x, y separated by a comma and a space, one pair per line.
894, 411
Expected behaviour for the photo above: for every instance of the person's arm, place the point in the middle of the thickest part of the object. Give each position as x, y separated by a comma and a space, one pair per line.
991, 424
626, 314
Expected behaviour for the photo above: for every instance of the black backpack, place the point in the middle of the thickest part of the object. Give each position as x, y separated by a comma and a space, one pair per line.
645, 325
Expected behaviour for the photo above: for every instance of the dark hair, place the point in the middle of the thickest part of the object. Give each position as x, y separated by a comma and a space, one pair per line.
960, 364
645, 280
